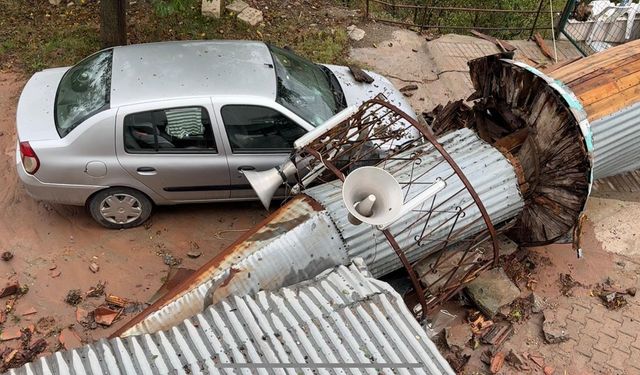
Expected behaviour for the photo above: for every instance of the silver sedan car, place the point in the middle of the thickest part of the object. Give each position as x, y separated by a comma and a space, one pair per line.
132, 127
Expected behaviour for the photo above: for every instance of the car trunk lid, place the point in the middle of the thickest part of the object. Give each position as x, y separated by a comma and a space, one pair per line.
35, 118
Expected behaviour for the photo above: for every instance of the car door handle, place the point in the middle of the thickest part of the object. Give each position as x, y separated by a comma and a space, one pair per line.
246, 168
146, 171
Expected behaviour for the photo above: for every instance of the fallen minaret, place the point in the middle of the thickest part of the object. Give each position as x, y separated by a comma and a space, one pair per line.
519, 161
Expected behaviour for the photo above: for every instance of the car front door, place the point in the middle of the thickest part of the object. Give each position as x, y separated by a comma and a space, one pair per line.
257, 136
174, 149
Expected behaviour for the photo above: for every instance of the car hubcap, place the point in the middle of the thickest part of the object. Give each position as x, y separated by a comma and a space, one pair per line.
120, 209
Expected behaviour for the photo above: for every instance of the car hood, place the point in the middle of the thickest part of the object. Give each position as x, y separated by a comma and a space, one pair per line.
35, 116
357, 93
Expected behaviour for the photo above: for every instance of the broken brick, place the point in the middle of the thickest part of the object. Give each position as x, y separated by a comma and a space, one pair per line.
10, 289
69, 339
10, 333
104, 315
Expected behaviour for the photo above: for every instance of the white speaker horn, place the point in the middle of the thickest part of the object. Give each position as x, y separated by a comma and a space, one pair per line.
266, 183
372, 196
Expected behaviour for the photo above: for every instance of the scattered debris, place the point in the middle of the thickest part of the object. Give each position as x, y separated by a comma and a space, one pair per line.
537, 303
105, 316
543, 46
355, 33
479, 324
409, 87
360, 75
7, 256
567, 283
457, 336
74, 297
10, 333
116, 301
94, 267
554, 331
497, 362
457, 360
492, 290
135, 308
10, 289
236, 7
171, 260
252, 16
517, 361
69, 339
611, 296
537, 359
503, 45
29, 311
46, 325
98, 290
498, 334
194, 254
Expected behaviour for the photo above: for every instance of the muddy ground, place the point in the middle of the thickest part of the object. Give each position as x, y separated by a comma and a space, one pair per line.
42, 236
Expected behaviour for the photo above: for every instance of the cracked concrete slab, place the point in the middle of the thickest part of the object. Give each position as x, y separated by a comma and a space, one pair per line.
438, 67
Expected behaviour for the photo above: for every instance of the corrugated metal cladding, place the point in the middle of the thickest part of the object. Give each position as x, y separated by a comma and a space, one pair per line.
488, 171
343, 316
616, 139
296, 246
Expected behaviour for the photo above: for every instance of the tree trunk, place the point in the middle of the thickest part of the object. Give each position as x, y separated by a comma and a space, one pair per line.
113, 23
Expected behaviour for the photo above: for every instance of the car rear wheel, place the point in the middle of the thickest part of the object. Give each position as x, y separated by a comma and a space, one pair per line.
119, 208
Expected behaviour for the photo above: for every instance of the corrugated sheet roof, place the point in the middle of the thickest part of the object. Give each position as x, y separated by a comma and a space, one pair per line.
342, 316
295, 245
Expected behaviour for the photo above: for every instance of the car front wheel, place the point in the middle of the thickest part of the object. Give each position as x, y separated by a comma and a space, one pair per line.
120, 208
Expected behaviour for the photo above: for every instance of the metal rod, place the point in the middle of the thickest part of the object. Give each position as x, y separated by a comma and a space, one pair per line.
535, 20
412, 273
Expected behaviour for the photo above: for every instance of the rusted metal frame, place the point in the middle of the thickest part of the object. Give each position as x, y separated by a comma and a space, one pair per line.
535, 20
327, 163
488, 10
460, 27
455, 270
485, 215
345, 137
420, 218
444, 295
474, 265
457, 238
446, 241
409, 267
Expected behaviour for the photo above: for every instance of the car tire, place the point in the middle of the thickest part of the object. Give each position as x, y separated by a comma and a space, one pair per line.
120, 208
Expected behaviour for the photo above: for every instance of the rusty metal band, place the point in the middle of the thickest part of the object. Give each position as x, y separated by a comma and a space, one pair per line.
431, 138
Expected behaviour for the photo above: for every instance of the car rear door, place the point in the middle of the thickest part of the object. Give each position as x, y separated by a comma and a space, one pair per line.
257, 135
174, 148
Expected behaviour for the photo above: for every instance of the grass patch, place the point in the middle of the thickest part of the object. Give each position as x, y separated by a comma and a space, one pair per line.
36, 35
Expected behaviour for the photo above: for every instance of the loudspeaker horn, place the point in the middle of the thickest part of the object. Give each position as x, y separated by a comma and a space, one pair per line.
371, 195
266, 183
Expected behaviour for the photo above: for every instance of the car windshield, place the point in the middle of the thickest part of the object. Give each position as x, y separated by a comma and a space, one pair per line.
83, 91
304, 87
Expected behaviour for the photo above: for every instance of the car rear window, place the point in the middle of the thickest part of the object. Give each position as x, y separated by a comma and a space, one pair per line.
83, 91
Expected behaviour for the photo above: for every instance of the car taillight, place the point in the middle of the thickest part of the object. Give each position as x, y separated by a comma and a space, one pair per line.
29, 158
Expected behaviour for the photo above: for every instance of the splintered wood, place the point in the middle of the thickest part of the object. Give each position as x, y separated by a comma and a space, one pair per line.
528, 120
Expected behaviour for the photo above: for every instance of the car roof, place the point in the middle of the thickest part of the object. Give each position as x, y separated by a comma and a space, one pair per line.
157, 71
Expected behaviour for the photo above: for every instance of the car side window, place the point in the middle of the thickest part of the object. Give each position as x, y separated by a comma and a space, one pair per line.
256, 129
173, 130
